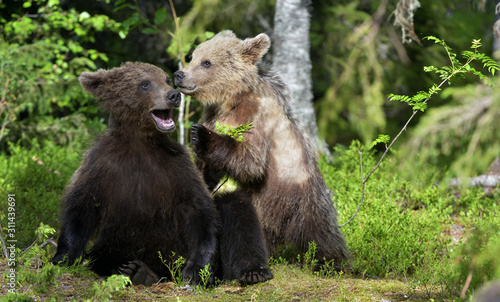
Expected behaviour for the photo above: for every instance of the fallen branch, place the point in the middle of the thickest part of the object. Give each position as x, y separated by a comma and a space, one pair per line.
480, 181
466, 285
4, 246
48, 241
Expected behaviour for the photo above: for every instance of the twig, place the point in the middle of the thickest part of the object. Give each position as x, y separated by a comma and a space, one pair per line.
4, 246
398, 135
174, 14
48, 241
181, 114
217, 189
466, 285
184, 106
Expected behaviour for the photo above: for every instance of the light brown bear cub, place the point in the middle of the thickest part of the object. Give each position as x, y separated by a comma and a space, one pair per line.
276, 162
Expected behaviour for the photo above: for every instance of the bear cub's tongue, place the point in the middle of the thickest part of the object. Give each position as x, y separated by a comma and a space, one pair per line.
163, 120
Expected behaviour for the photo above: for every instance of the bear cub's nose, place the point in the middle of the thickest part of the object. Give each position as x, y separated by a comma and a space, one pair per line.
174, 97
178, 77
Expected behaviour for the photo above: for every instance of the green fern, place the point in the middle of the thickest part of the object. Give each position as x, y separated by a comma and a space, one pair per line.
236, 133
382, 138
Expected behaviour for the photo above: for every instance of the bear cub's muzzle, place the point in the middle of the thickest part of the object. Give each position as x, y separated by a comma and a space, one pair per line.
174, 97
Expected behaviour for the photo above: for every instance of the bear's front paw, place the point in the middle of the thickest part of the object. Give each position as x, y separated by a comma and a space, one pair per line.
59, 259
139, 273
255, 276
200, 137
66, 258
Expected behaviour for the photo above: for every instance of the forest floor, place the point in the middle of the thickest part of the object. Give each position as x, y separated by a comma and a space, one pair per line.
290, 283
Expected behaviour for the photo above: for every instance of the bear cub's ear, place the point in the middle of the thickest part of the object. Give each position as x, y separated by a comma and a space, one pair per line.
225, 34
92, 81
255, 48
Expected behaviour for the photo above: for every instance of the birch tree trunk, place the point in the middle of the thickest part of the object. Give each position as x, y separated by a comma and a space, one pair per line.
496, 33
291, 58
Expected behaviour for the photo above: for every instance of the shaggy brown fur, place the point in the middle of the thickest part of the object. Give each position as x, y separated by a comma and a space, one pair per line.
276, 162
139, 192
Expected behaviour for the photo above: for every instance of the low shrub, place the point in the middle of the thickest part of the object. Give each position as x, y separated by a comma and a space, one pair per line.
37, 178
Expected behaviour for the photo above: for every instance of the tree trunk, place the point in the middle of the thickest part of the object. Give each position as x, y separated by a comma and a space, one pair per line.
496, 33
291, 58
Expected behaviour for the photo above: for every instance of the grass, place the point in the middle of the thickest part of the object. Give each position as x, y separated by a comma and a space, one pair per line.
412, 240
291, 283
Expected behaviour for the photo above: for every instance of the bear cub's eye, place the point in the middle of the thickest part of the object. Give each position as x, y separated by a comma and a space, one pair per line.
145, 85
206, 64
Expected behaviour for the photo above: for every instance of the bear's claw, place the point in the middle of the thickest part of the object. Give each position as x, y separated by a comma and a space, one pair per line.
199, 139
255, 276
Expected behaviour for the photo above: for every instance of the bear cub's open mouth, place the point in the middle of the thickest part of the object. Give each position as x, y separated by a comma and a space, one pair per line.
163, 119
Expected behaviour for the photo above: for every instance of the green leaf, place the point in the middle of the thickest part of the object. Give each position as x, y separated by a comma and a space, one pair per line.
236, 133
382, 138
476, 43
131, 21
149, 30
160, 15
209, 34
83, 16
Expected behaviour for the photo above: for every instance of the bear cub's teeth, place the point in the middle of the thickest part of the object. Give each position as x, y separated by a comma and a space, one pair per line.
163, 120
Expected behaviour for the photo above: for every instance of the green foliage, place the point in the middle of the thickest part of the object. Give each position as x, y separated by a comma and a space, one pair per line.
205, 274
382, 138
385, 238
459, 68
236, 133
309, 257
350, 74
478, 255
36, 257
107, 288
460, 135
174, 266
448, 73
42, 55
358, 59
404, 230
416, 101
37, 177
469, 118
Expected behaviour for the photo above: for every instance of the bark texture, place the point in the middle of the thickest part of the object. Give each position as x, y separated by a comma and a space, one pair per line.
291, 58
496, 32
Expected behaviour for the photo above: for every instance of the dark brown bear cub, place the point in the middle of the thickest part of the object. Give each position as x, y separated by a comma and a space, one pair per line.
276, 162
138, 193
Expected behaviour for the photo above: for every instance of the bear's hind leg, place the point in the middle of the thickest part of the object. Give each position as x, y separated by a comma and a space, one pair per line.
105, 261
243, 255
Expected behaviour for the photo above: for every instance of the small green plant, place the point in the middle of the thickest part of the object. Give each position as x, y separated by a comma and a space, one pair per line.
174, 266
236, 133
205, 275
328, 269
309, 257
33, 265
105, 290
